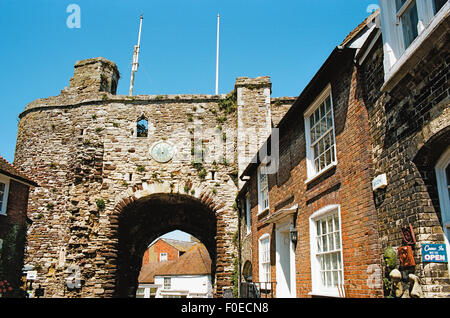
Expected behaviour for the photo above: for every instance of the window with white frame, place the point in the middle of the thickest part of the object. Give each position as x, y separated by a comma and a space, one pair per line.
264, 261
162, 257
4, 186
404, 21
248, 214
263, 189
167, 283
320, 135
326, 252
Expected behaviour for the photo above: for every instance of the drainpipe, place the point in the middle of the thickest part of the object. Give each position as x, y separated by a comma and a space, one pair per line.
239, 246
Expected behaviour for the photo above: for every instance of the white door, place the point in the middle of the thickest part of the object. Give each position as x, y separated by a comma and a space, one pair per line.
285, 262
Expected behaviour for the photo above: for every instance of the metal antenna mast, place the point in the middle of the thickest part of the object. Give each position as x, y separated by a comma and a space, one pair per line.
217, 56
136, 50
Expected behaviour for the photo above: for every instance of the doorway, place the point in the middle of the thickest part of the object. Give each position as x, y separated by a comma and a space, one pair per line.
285, 261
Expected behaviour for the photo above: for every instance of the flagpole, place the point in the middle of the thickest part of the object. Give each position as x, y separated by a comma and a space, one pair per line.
136, 50
217, 55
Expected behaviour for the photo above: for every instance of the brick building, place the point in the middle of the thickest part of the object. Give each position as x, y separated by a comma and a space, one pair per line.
187, 276
406, 92
356, 168
14, 190
165, 249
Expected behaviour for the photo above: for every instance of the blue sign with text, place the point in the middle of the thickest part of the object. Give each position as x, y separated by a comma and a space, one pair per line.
435, 253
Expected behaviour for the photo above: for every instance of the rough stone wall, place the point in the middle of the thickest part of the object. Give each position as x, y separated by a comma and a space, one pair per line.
82, 148
254, 117
409, 127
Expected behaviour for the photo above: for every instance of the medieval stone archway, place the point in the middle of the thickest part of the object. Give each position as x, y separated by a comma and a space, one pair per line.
145, 219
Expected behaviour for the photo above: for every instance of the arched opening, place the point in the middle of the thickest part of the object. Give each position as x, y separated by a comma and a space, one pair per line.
142, 127
247, 271
148, 218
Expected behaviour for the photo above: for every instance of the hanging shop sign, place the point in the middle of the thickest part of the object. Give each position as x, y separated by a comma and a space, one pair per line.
435, 253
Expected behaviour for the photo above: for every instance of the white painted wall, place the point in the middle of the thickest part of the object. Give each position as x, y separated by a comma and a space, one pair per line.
192, 285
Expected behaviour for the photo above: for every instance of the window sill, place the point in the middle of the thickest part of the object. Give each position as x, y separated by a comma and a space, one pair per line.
417, 50
316, 176
334, 294
3, 214
263, 211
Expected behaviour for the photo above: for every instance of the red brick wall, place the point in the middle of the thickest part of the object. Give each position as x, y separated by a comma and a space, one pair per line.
16, 213
152, 253
13, 232
348, 185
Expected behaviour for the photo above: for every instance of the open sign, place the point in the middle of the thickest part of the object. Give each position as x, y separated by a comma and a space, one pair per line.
435, 253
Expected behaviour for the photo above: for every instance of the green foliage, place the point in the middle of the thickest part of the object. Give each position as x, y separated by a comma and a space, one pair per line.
197, 165
100, 204
390, 257
235, 278
202, 174
228, 104
11, 256
140, 169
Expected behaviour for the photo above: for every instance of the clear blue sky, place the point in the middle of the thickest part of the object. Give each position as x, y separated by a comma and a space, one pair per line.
287, 40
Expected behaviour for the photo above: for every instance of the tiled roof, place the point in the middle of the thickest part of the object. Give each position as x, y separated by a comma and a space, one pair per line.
195, 261
8, 169
147, 273
182, 246
360, 27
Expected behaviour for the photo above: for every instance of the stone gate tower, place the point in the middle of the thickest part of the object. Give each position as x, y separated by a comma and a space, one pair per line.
110, 187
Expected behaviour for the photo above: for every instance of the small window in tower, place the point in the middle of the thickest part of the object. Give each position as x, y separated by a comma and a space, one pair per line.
142, 128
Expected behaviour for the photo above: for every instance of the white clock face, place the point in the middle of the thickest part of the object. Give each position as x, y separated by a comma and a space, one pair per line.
162, 151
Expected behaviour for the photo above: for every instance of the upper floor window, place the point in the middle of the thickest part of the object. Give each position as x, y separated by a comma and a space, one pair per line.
407, 22
263, 189
248, 215
4, 185
162, 257
320, 136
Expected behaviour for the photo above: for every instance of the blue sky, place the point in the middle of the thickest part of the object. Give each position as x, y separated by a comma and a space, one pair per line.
287, 40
